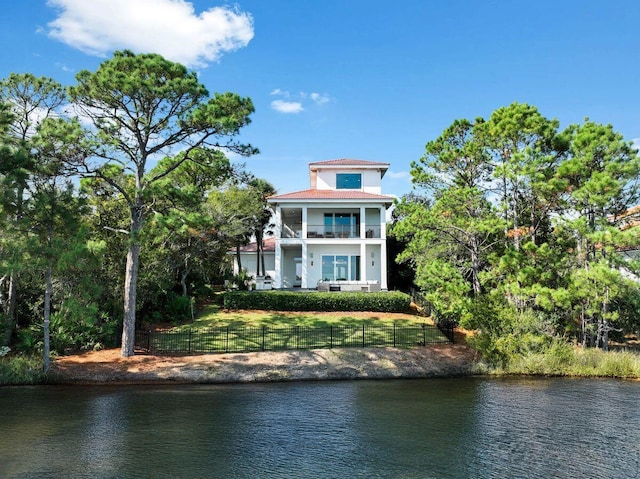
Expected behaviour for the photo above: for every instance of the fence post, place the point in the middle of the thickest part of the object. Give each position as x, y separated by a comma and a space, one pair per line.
363, 336
331, 337
190, 333
263, 337
227, 345
297, 330
424, 334
394, 334
149, 341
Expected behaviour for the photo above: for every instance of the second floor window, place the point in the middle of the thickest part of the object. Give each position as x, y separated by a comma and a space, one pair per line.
348, 181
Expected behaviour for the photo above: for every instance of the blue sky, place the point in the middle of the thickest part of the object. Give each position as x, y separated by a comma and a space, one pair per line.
357, 79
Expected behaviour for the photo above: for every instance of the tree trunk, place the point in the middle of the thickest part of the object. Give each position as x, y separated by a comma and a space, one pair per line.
475, 268
516, 223
130, 285
583, 323
605, 334
3, 310
258, 248
10, 313
183, 281
46, 365
238, 258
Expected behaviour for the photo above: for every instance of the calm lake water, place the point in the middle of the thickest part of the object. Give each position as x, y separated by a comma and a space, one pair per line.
434, 428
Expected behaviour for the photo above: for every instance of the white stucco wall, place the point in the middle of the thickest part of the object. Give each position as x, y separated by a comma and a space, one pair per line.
249, 263
371, 179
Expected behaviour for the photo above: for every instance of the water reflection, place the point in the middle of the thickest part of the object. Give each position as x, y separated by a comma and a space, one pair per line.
440, 428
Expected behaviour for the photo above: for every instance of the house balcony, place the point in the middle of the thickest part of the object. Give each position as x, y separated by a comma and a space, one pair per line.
294, 230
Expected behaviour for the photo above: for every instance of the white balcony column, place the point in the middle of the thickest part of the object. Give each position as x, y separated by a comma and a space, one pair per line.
278, 220
304, 228
305, 262
383, 266
363, 261
363, 222
277, 282
383, 223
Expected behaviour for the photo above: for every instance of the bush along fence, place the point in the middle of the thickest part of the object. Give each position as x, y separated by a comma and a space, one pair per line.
385, 301
251, 339
445, 325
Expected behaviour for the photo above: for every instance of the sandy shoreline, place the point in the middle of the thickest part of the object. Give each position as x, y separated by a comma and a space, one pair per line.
107, 367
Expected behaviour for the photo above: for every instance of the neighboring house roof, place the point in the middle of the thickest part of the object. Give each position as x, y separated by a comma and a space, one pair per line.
268, 246
630, 218
313, 194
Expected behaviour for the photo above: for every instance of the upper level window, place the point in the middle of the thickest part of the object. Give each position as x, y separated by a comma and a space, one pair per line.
348, 181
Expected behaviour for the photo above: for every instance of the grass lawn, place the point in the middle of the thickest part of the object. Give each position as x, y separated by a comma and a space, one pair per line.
217, 330
213, 316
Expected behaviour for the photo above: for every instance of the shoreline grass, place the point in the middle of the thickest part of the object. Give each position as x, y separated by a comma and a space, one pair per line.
566, 360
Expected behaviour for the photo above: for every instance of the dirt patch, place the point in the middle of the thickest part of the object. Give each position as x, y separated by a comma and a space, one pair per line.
107, 366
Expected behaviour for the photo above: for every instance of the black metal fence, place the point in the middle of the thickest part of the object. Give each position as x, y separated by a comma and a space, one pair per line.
445, 325
250, 339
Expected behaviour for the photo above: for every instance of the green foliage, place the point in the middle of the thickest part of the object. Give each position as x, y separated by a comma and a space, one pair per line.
29, 339
81, 326
537, 217
178, 308
317, 301
504, 333
241, 280
17, 370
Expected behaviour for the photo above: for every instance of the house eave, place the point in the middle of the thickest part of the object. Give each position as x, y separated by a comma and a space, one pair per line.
332, 201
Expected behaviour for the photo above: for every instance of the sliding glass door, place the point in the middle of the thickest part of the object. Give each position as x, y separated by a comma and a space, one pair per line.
342, 225
340, 268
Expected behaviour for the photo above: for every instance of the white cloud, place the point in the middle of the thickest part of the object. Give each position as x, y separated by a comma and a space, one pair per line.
280, 92
398, 175
169, 27
64, 67
300, 99
636, 143
287, 106
320, 99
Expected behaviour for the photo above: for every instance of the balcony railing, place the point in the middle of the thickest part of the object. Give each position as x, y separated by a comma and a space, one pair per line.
330, 231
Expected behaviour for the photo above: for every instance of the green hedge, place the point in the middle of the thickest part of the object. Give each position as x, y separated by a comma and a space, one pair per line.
388, 302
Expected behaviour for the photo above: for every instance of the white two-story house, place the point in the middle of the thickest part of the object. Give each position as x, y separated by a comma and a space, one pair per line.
332, 236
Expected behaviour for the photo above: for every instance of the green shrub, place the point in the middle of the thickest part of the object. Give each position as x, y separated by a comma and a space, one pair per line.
178, 308
21, 370
388, 302
80, 326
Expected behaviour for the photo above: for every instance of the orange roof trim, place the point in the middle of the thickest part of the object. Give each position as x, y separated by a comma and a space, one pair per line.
312, 194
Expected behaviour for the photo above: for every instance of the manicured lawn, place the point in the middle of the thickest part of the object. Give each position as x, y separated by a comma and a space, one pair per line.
212, 316
217, 330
